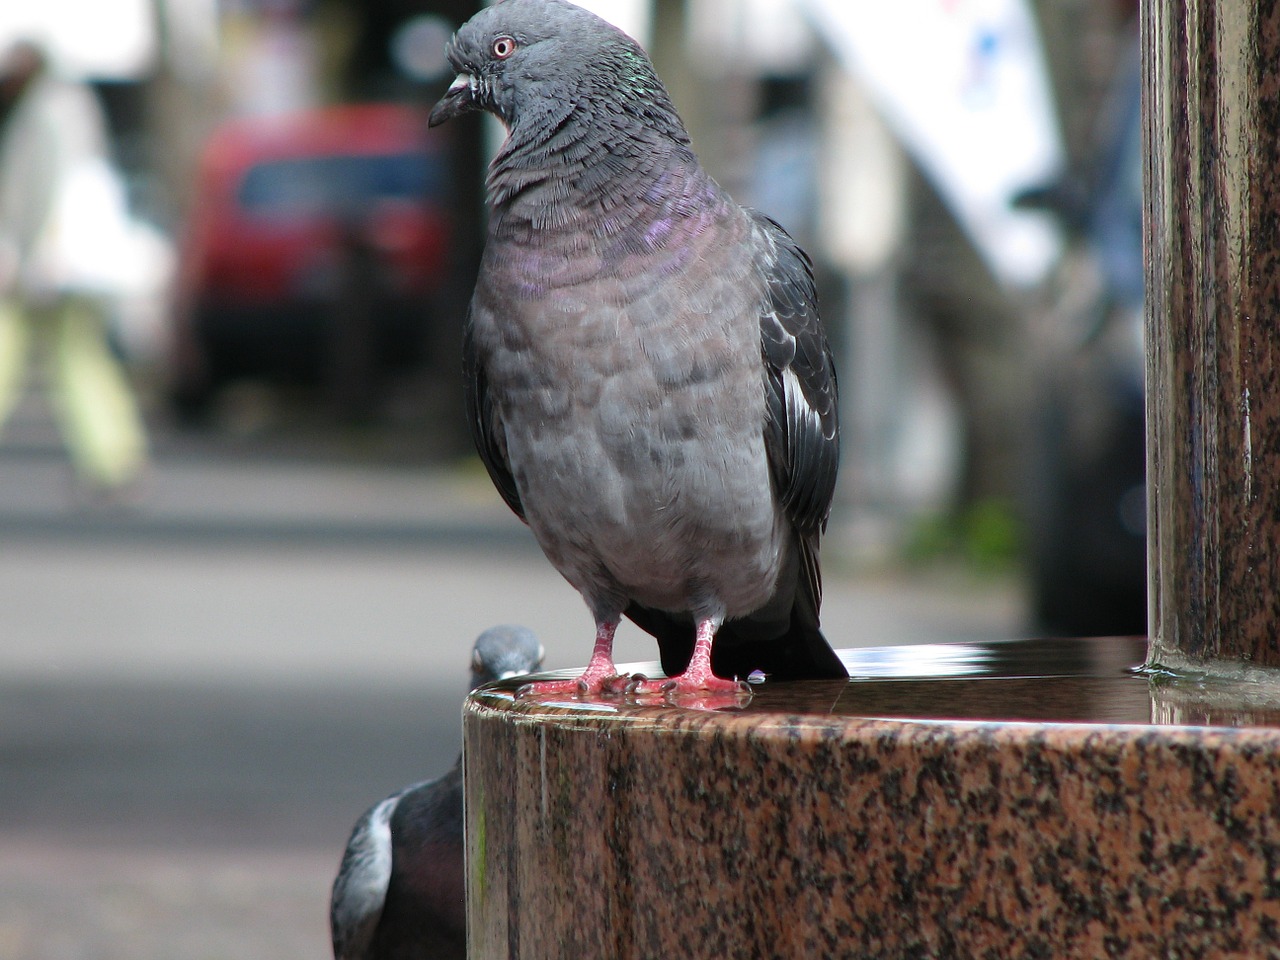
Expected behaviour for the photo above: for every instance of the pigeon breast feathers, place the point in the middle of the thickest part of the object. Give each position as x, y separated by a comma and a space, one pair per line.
801, 424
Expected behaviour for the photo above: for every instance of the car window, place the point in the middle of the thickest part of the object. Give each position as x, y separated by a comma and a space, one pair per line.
335, 184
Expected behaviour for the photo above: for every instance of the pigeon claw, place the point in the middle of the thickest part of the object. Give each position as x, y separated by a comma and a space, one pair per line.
673, 688
617, 685
582, 688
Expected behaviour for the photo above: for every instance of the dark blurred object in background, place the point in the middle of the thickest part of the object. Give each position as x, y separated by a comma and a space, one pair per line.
1087, 491
317, 246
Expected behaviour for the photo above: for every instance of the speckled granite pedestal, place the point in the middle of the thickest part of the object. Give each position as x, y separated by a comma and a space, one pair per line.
997, 801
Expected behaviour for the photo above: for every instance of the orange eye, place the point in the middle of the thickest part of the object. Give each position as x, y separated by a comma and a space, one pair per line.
504, 47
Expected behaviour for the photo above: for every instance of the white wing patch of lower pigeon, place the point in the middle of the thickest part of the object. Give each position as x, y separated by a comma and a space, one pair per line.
361, 890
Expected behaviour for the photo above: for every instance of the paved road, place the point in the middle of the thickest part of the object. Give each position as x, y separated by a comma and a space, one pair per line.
200, 691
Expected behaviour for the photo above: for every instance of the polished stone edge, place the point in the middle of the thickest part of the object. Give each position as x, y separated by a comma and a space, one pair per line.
675, 721
622, 831
1168, 695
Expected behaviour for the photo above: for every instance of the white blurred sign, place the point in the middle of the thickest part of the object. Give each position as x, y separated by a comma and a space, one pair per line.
96, 39
963, 84
633, 16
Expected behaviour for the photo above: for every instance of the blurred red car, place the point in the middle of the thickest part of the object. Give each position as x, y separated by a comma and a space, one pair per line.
315, 246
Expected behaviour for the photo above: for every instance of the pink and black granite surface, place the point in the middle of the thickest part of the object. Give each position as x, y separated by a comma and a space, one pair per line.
879, 818
1212, 113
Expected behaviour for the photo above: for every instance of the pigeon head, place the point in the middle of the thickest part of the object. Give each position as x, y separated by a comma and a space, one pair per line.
536, 63
504, 651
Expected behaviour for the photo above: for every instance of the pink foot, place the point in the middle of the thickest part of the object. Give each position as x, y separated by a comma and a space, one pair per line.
694, 682
590, 684
697, 679
600, 677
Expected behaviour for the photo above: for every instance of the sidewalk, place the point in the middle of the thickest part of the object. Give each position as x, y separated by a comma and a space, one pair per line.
198, 497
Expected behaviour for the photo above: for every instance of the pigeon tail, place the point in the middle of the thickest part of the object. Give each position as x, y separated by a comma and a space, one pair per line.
798, 651
802, 653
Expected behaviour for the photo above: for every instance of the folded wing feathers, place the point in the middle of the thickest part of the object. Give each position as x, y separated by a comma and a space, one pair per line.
801, 433
485, 428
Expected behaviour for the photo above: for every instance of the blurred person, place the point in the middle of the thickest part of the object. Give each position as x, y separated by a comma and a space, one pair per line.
62, 210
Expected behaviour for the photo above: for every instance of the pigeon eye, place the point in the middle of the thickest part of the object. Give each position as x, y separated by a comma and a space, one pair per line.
503, 47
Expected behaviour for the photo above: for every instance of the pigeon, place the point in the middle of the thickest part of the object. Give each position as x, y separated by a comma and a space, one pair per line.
399, 890
648, 381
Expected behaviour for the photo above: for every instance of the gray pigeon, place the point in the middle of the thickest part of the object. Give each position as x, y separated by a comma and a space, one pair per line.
399, 891
648, 381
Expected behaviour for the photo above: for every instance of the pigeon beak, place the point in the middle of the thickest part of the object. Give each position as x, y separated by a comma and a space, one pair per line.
457, 100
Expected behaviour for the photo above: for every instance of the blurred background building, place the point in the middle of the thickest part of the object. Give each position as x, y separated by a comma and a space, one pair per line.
266, 634
280, 245
950, 166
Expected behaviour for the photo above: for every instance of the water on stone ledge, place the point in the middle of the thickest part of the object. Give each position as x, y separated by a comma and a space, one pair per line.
1069, 680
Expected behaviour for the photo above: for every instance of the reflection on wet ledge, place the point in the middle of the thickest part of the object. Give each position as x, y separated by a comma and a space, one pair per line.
1092, 680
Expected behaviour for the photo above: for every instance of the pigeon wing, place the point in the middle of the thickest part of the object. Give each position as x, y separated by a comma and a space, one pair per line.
802, 434
486, 425
802, 443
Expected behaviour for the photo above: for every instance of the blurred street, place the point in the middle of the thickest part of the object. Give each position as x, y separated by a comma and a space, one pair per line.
202, 688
